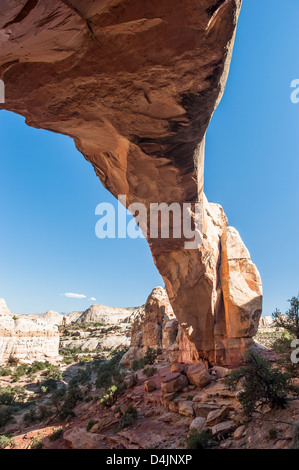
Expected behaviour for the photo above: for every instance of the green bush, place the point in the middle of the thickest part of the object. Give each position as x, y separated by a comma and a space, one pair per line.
129, 417
6, 415
5, 371
12, 395
149, 359
48, 386
261, 381
282, 347
74, 395
272, 433
198, 440
149, 371
6, 441
56, 434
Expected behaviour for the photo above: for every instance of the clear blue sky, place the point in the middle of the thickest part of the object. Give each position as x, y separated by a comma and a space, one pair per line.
48, 192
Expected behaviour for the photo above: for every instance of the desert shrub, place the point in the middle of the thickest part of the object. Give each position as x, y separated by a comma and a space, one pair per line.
48, 385
83, 376
35, 367
272, 433
56, 434
282, 347
44, 412
37, 443
198, 440
57, 397
5, 442
261, 381
149, 371
132, 380
6, 415
13, 360
53, 372
5, 371
90, 424
31, 416
12, 395
290, 320
149, 359
19, 372
73, 396
129, 417
110, 396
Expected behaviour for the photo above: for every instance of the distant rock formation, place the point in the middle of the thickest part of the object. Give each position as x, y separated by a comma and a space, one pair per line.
26, 339
135, 84
104, 314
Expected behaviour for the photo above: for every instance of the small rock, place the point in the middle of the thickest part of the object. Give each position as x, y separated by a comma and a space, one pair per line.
239, 432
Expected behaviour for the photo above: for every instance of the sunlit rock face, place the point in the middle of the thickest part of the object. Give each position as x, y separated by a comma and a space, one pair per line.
135, 85
26, 339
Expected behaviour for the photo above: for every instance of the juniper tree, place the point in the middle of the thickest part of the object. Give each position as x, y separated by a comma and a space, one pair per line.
289, 321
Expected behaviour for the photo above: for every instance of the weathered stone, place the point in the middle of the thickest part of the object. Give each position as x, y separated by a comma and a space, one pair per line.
223, 429
173, 382
150, 385
202, 410
186, 408
220, 372
239, 432
198, 424
198, 375
216, 416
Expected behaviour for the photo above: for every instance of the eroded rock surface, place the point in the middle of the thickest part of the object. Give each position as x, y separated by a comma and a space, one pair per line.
135, 85
27, 339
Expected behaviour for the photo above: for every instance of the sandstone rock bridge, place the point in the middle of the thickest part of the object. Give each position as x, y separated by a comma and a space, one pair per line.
135, 84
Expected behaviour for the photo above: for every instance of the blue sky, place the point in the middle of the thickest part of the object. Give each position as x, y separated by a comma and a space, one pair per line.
48, 192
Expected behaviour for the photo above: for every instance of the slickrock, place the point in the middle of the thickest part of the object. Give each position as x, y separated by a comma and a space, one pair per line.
135, 85
27, 339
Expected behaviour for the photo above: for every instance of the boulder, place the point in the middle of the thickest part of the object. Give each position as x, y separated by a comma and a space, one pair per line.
173, 382
198, 375
216, 416
185, 408
150, 386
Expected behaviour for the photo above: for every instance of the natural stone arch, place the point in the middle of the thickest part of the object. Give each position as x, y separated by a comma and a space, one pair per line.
135, 85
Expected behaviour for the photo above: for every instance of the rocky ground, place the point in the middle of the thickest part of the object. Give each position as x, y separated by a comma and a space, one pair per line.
163, 400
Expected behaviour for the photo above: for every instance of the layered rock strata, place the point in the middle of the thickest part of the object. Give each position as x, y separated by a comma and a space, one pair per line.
26, 339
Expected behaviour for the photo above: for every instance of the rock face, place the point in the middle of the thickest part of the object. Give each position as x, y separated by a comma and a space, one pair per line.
135, 85
27, 339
